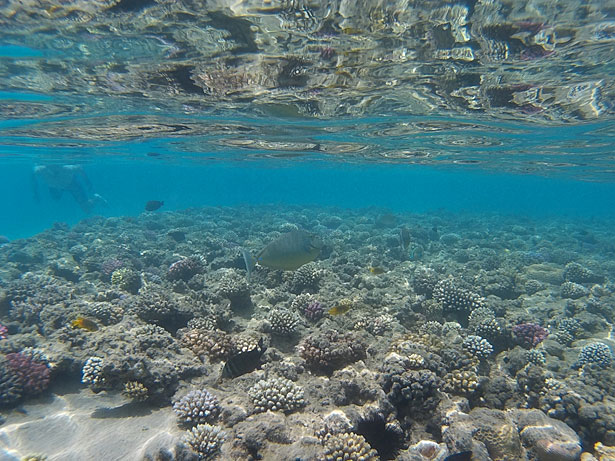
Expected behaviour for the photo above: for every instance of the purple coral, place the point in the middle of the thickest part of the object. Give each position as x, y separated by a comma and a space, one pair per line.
313, 311
529, 334
184, 269
32, 374
110, 266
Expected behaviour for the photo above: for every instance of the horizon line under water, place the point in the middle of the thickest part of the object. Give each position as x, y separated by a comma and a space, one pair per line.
127, 185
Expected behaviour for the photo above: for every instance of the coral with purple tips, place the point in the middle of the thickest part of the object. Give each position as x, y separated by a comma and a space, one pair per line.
529, 334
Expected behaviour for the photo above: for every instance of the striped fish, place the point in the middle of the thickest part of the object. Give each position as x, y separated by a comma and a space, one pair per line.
244, 362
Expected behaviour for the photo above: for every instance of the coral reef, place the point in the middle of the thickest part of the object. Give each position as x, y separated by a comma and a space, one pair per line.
376, 326
185, 268
573, 290
109, 266
477, 347
576, 273
566, 331
331, 350
313, 311
431, 328
136, 391
234, 287
348, 446
461, 382
205, 440
196, 407
126, 279
513, 435
454, 298
10, 386
283, 321
276, 394
156, 306
92, 372
306, 278
597, 353
373, 350
33, 375
417, 389
536, 357
215, 344
529, 334
301, 301
424, 281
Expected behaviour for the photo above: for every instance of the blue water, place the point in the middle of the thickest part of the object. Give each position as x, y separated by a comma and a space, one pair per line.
514, 163
128, 185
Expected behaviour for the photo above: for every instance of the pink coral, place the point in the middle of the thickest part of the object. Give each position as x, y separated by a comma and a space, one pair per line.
32, 374
530, 334
313, 311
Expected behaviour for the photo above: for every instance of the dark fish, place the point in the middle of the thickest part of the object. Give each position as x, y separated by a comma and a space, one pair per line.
462, 456
244, 362
177, 235
404, 238
153, 205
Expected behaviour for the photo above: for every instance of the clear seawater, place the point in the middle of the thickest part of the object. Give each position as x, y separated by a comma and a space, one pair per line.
285, 102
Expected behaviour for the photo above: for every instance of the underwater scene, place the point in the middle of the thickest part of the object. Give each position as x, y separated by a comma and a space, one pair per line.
307, 230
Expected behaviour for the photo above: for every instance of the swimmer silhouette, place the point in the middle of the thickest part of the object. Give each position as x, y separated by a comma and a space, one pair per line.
66, 178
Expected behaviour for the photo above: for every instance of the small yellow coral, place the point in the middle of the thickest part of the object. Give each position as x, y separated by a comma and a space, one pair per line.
408, 344
604, 452
461, 381
136, 391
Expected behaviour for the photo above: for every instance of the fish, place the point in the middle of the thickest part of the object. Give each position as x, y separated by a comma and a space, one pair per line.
376, 270
177, 235
386, 220
340, 309
153, 205
84, 324
404, 238
288, 252
244, 362
461, 456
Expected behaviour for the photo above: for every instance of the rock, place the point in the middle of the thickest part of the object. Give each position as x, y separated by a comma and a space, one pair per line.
162, 446
549, 439
511, 435
545, 273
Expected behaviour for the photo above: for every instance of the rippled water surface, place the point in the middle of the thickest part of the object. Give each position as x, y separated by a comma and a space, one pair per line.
513, 86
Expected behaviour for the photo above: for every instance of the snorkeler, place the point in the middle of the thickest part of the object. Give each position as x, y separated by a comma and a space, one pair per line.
67, 178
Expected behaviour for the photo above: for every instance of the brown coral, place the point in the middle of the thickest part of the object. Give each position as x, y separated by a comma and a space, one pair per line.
332, 350
214, 344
